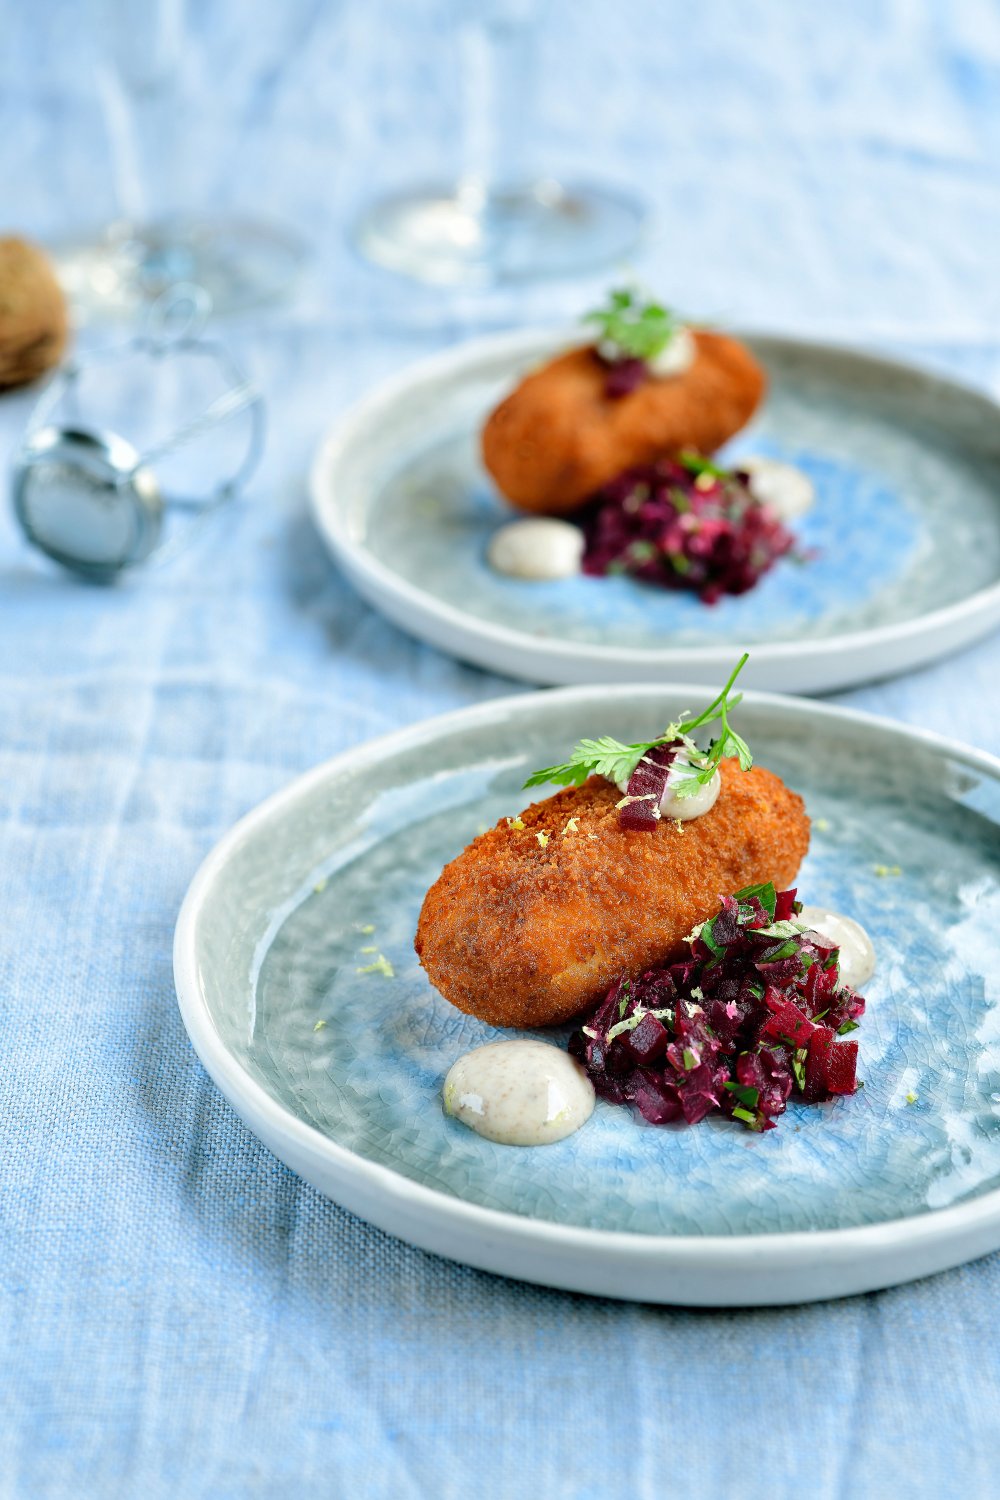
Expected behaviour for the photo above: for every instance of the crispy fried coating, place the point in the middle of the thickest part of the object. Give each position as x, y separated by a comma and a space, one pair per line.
557, 437
524, 932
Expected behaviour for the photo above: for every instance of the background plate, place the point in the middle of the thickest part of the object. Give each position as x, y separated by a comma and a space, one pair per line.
906, 528
902, 1179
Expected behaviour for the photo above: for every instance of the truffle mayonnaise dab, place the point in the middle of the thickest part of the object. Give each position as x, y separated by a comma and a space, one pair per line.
681, 809
782, 487
676, 357
537, 547
519, 1093
857, 951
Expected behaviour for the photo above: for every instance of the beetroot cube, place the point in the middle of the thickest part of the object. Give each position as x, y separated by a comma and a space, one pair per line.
783, 904
648, 1041
655, 1097
788, 1024
820, 1043
842, 1068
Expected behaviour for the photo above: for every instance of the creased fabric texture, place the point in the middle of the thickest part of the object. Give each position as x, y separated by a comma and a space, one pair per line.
182, 1316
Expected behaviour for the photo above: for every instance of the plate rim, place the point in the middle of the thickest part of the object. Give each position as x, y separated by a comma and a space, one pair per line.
774, 1251
512, 651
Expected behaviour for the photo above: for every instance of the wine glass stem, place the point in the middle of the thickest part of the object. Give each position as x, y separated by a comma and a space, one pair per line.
497, 62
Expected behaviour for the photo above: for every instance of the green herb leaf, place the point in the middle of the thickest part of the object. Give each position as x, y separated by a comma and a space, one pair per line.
764, 893
847, 1026
745, 1116
775, 955
689, 1059
707, 935
786, 929
745, 1093
631, 326
616, 761
799, 1067
695, 464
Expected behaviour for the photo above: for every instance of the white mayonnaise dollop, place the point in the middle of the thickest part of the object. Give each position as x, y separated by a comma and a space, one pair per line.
681, 809
520, 1093
537, 547
678, 356
857, 951
783, 487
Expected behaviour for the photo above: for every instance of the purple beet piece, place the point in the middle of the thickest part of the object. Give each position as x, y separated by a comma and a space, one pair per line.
625, 376
646, 786
648, 1041
655, 1097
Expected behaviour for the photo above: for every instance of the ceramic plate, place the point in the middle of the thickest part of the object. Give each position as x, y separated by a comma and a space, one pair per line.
339, 1070
906, 529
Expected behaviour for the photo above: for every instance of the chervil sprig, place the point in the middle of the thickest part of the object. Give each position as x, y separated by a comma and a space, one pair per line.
616, 761
631, 327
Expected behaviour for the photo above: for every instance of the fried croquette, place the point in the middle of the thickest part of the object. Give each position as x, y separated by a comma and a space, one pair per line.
557, 438
532, 923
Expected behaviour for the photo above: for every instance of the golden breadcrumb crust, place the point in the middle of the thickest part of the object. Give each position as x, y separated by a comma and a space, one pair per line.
557, 437
524, 932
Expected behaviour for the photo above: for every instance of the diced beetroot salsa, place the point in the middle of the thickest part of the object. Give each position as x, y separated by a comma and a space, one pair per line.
752, 1017
683, 524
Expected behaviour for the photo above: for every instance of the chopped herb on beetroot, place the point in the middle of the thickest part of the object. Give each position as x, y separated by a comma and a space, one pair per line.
749, 1019
686, 524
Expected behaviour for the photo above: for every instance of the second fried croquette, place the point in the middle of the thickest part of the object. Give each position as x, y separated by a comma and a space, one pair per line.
532, 923
558, 437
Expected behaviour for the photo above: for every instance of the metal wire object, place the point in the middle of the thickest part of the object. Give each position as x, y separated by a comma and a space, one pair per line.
86, 496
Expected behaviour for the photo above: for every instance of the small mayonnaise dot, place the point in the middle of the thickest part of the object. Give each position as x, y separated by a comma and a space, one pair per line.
538, 547
783, 487
678, 356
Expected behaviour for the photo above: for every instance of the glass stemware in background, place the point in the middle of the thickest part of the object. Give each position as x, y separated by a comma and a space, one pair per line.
240, 262
499, 223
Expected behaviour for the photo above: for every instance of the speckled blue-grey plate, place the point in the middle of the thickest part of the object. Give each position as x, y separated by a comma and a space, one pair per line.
338, 1066
906, 528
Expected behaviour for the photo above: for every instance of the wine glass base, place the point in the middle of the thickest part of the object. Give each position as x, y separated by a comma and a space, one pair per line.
239, 263
456, 236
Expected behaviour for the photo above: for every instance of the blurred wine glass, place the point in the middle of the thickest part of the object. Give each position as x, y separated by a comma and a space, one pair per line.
499, 222
155, 244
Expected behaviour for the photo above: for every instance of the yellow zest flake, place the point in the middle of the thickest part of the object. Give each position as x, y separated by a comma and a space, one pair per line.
821, 825
593, 835
678, 825
368, 928
380, 966
370, 948
705, 482
883, 870
320, 885
571, 826
542, 838
516, 823
319, 1026
911, 1098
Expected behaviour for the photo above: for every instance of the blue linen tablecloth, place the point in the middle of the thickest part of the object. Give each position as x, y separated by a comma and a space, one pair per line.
181, 1315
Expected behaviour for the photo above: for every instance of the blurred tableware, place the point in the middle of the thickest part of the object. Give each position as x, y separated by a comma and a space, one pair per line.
906, 527
499, 222
240, 261
336, 1061
96, 502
